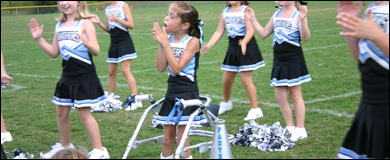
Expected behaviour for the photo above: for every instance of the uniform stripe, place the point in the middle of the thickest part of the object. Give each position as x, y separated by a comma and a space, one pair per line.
243, 68
121, 59
183, 120
293, 82
345, 153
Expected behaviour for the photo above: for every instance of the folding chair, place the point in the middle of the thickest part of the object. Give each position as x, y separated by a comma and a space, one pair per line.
209, 110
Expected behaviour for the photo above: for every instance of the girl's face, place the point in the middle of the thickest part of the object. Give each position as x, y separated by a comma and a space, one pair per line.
68, 7
234, 3
172, 22
286, 3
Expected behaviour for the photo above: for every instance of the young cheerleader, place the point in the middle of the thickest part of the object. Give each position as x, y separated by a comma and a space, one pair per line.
79, 86
368, 40
118, 20
243, 55
180, 53
5, 135
289, 71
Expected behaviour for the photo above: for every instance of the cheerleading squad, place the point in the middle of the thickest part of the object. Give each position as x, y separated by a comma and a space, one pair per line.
179, 52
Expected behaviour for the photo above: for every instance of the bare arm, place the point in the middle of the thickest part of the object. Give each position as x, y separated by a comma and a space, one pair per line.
364, 29
349, 7
188, 53
216, 36
262, 32
36, 32
129, 18
161, 37
303, 25
95, 19
88, 37
4, 76
248, 36
161, 61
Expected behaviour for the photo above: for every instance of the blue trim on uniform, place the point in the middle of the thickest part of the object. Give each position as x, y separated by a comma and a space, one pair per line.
170, 38
293, 37
77, 23
243, 68
90, 101
277, 14
60, 100
227, 9
351, 154
294, 14
120, 5
291, 82
183, 118
123, 58
84, 55
376, 50
185, 38
242, 8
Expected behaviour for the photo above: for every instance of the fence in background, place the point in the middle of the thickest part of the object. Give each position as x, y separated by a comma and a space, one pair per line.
25, 10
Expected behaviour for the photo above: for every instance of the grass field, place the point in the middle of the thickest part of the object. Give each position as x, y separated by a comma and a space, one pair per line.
331, 97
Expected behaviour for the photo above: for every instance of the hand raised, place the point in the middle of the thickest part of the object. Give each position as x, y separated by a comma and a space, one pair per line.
349, 7
249, 13
95, 19
160, 36
303, 12
35, 30
357, 27
204, 49
83, 39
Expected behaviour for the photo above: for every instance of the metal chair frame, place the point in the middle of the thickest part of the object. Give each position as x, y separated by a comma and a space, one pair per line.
189, 130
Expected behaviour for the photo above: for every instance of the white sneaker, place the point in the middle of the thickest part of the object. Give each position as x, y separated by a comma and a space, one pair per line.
290, 129
57, 147
6, 137
134, 106
254, 114
98, 154
225, 106
299, 133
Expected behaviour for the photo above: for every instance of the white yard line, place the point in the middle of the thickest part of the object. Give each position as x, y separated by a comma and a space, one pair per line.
12, 87
309, 109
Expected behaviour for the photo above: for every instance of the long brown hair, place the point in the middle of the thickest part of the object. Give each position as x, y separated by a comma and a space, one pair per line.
190, 15
82, 12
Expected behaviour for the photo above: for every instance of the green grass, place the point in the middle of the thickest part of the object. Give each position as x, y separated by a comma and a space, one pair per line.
31, 116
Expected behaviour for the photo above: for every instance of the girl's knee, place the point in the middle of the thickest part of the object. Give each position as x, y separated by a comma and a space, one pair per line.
281, 98
169, 140
112, 73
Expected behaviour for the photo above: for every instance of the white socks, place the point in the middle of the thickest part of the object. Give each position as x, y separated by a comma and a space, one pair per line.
171, 157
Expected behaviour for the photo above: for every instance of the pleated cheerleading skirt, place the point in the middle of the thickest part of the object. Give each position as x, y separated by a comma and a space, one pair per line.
79, 91
235, 61
289, 68
121, 48
368, 136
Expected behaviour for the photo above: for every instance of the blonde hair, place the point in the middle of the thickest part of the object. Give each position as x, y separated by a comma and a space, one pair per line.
298, 5
69, 153
82, 12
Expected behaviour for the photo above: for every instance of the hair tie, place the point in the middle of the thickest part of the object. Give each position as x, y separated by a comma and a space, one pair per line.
200, 23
